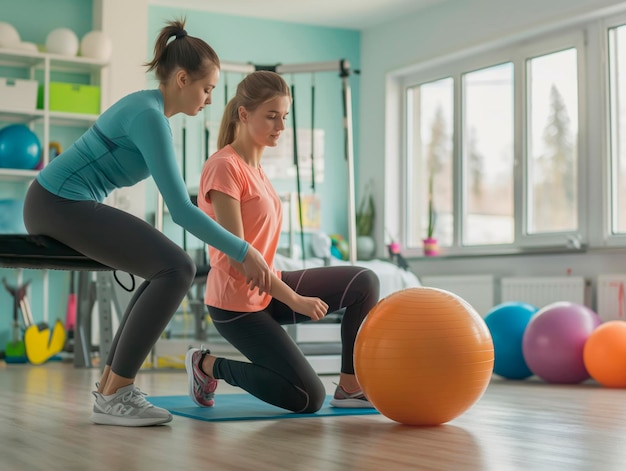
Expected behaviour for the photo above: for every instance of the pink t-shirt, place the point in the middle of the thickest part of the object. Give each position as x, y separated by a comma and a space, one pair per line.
261, 213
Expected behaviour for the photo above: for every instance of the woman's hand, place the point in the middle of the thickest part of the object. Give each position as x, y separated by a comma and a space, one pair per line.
258, 274
314, 308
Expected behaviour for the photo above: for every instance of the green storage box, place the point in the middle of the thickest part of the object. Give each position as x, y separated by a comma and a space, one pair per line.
72, 98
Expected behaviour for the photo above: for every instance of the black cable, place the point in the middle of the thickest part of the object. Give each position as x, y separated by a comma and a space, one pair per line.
184, 166
296, 162
313, 133
132, 286
206, 138
225, 89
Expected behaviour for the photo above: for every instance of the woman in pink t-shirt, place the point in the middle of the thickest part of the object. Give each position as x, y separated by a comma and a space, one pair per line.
235, 191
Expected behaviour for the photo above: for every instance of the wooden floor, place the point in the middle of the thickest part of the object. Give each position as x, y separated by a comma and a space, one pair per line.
44, 412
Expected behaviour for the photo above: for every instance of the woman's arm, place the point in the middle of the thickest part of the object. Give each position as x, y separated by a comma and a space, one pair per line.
153, 138
311, 307
228, 214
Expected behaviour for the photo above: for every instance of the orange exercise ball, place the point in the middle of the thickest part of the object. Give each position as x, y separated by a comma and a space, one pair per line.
423, 356
604, 354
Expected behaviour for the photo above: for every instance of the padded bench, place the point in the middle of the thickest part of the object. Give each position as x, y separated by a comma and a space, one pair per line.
42, 252
36, 251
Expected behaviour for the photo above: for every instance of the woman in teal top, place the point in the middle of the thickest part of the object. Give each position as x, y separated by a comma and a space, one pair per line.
131, 141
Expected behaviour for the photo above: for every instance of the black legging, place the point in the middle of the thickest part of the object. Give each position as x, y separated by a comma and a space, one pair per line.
123, 242
279, 373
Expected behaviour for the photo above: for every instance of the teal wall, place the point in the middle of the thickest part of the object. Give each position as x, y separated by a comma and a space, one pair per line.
244, 40
34, 19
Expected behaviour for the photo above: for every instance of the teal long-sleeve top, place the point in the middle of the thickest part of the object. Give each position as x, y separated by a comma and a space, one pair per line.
129, 142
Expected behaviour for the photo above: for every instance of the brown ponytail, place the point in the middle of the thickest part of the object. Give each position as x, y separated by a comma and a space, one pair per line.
192, 54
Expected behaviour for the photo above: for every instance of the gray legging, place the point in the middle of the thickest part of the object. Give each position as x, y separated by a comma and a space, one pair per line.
278, 372
123, 242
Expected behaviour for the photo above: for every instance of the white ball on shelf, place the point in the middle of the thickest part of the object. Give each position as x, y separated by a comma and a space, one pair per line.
96, 45
9, 37
62, 41
27, 46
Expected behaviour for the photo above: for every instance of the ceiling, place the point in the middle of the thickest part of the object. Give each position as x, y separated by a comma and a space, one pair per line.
350, 14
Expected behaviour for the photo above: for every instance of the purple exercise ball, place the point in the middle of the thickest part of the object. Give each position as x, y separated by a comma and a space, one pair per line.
554, 341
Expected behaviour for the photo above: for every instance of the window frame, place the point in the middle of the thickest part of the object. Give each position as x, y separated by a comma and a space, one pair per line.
456, 66
409, 123
462, 210
550, 45
607, 237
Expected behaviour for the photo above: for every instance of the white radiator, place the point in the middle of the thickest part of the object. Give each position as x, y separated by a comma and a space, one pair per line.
541, 291
611, 303
477, 290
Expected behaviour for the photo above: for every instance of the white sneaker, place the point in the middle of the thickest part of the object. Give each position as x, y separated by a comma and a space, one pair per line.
127, 407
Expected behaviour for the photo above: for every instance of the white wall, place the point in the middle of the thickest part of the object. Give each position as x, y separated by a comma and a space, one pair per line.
444, 30
126, 23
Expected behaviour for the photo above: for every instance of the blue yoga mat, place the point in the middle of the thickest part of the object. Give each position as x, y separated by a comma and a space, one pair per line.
229, 407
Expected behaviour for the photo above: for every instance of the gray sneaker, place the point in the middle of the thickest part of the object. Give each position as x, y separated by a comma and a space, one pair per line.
127, 407
346, 400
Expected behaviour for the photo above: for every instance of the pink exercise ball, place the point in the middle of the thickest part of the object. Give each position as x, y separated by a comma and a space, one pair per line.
554, 341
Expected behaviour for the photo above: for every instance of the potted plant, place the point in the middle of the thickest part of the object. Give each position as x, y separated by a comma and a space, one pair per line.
365, 244
431, 247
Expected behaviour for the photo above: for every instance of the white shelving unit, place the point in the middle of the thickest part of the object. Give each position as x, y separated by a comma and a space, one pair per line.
40, 66
47, 63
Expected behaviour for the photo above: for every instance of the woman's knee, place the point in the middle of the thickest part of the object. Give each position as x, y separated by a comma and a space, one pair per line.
180, 270
315, 396
367, 287
187, 268
369, 282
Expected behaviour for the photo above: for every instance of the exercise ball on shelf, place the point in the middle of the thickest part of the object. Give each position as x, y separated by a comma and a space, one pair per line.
507, 323
62, 41
96, 45
423, 356
554, 340
9, 37
19, 147
27, 46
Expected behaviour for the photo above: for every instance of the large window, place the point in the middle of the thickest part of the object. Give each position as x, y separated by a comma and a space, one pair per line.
552, 133
488, 156
430, 113
497, 136
617, 94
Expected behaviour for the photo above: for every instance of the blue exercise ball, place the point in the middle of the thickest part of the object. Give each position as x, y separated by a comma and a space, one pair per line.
507, 323
19, 147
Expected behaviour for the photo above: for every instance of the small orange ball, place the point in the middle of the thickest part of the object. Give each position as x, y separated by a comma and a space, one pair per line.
423, 356
604, 354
